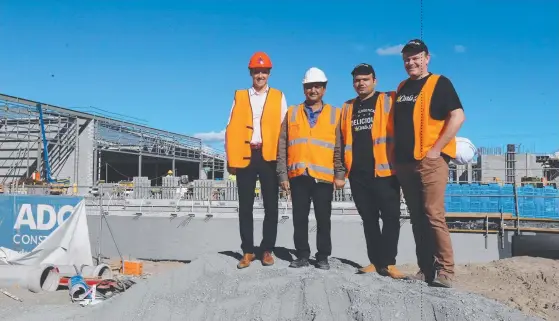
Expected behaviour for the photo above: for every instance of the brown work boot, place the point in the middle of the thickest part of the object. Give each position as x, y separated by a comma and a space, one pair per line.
267, 258
442, 280
367, 269
393, 272
245, 261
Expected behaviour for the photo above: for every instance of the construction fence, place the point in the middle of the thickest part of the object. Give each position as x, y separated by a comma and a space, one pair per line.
527, 200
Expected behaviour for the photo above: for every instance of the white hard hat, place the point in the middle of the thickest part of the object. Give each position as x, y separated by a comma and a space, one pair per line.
314, 75
465, 151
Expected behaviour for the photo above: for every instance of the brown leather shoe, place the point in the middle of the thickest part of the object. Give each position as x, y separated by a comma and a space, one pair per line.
367, 269
246, 260
267, 258
442, 280
393, 272
422, 276
419, 276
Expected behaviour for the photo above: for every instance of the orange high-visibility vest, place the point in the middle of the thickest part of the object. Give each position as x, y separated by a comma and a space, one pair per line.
309, 148
428, 130
381, 131
239, 131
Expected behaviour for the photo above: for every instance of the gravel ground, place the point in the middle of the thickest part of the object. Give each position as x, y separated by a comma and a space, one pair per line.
526, 283
211, 288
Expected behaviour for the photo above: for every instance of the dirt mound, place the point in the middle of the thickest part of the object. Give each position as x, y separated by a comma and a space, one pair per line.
528, 284
211, 288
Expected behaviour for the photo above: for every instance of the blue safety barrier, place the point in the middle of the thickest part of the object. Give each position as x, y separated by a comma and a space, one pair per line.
493, 198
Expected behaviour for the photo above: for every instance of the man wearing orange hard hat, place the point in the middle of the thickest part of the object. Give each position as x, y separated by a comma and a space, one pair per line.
251, 142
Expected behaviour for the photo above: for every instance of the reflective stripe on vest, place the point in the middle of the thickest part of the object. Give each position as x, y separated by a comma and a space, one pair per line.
384, 139
312, 141
317, 168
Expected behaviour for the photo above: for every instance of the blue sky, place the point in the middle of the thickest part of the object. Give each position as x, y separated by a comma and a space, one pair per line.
176, 64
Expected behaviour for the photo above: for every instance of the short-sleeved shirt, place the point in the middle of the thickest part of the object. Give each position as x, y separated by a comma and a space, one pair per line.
444, 100
362, 146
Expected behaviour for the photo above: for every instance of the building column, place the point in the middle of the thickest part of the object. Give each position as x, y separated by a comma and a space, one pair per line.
140, 165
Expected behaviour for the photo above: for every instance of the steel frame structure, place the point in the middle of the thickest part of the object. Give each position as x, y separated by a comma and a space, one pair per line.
20, 138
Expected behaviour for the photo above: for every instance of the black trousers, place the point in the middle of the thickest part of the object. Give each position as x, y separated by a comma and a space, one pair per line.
269, 186
303, 189
378, 197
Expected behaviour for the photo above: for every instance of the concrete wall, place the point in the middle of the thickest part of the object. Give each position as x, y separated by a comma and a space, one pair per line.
494, 166
163, 237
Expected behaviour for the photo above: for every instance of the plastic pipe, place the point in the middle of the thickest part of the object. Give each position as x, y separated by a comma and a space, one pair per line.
87, 271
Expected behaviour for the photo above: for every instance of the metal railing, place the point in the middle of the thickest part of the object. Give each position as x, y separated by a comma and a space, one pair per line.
528, 201
482, 211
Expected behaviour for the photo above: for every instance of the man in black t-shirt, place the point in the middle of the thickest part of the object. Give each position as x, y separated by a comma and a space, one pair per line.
374, 186
427, 116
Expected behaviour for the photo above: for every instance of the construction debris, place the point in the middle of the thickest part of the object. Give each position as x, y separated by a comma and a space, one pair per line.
96, 289
8, 294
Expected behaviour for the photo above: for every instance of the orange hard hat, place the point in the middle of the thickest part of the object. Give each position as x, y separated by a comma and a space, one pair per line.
260, 60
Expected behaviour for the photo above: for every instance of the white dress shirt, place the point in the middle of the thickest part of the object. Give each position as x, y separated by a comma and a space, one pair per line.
257, 101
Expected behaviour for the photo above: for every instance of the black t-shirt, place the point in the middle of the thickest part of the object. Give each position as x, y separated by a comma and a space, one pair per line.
361, 126
444, 100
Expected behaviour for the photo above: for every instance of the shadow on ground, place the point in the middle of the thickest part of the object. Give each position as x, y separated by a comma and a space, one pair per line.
348, 262
285, 254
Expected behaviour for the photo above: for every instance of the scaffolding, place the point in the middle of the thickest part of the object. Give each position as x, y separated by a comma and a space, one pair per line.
213, 160
21, 150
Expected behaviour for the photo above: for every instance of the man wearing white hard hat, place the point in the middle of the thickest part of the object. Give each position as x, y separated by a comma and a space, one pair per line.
310, 165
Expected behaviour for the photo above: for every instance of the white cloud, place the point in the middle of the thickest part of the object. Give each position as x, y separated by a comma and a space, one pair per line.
390, 50
211, 136
459, 48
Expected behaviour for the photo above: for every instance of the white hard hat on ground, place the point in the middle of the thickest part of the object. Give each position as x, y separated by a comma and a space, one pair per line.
314, 75
465, 151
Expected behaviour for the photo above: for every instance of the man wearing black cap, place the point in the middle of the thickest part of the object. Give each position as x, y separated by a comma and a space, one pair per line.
367, 143
427, 116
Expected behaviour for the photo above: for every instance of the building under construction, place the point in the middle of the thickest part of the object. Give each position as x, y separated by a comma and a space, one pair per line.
55, 144
510, 165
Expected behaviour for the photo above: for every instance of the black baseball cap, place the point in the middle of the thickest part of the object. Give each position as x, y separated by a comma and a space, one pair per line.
363, 69
415, 46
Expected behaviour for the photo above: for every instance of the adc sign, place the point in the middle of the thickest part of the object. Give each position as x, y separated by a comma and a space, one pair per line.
26, 220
